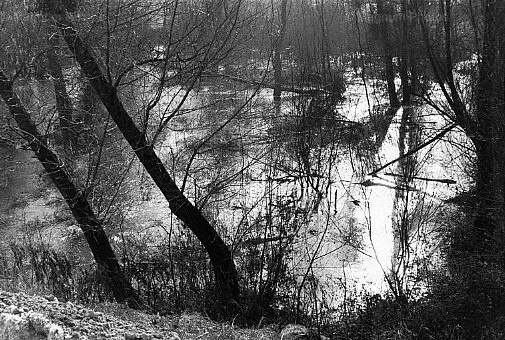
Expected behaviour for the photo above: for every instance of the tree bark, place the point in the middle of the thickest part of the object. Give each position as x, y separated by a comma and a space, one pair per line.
63, 102
490, 142
75, 199
387, 57
481, 245
404, 60
220, 256
277, 50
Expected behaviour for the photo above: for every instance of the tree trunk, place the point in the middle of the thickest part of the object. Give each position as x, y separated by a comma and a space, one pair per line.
387, 57
478, 250
63, 102
490, 144
390, 80
75, 199
220, 256
404, 60
277, 51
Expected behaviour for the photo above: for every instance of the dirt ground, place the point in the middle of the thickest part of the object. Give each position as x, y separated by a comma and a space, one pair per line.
24, 316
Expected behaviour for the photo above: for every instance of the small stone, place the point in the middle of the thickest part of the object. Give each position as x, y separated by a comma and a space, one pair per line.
54, 332
294, 332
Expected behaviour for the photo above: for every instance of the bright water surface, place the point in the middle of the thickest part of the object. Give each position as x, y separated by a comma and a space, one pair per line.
348, 238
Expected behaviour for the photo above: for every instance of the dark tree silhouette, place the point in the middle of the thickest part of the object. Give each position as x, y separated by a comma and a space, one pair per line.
480, 246
277, 47
75, 198
63, 102
220, 256
483, 120
383, 14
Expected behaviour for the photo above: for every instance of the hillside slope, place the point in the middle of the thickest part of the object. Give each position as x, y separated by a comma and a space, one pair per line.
24, 317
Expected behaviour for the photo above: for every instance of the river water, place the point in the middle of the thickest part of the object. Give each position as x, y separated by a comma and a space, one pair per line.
345, 228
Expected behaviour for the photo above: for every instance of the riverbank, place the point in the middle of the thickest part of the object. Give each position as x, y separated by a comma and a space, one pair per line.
24, 316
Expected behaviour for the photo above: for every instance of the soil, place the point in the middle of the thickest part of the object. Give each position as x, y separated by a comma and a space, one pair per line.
24, 316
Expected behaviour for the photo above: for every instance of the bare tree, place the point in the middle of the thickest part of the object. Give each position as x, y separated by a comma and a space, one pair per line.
482, 117
75, 198
477, 106
220, 256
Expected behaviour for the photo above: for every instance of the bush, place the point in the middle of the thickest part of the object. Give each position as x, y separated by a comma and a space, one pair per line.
38, 268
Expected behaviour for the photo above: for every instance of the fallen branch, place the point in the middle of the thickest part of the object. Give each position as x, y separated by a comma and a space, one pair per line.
440, 180
292, 89
418, 148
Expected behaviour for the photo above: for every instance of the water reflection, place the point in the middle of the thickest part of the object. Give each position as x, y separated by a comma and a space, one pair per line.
284, 181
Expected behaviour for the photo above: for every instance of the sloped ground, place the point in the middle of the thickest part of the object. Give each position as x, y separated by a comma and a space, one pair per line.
24, 317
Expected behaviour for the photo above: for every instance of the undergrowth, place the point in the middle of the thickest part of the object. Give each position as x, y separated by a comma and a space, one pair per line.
179, 279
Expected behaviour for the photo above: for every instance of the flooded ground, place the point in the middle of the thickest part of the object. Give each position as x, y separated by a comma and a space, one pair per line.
258, 184
25, 194
277, 179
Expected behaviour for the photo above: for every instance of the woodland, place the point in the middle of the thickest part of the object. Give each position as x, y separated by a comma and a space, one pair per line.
222, 156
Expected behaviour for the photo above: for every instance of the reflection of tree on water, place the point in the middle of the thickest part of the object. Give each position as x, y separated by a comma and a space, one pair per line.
405, 202
284, 199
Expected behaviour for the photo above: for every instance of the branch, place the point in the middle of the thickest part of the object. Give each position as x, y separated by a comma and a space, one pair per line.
292, 89
418, 148
132, 66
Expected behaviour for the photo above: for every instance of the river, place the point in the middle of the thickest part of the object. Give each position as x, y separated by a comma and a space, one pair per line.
270, 181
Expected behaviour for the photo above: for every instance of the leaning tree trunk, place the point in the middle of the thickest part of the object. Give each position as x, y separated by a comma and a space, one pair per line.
220, 256
75, 199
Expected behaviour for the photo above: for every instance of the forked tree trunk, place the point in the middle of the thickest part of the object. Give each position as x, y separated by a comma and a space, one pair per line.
220, 256
76, 201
